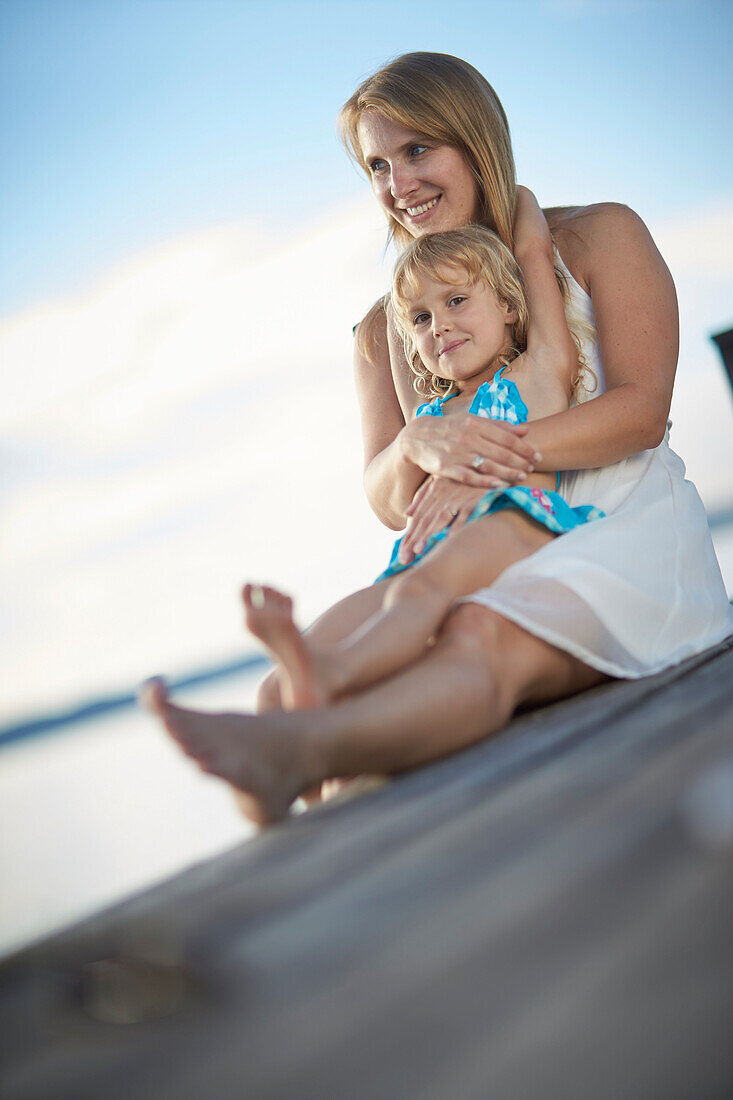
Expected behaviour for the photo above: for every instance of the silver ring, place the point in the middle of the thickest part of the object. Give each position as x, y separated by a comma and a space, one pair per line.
477, 462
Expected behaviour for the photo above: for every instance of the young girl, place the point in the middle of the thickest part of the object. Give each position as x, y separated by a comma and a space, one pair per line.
459, 301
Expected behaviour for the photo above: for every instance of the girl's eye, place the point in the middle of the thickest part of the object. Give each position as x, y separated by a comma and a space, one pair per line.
420, 319
457, 299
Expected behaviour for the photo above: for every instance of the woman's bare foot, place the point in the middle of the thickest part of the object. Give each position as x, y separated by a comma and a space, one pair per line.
269, 616
265, 762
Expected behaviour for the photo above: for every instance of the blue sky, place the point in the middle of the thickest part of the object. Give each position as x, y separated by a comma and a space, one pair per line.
124, 122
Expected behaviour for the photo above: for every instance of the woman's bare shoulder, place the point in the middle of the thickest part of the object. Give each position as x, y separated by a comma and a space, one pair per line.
580, 219
589, 236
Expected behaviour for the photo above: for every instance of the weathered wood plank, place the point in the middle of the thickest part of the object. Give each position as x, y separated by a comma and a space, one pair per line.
540, 915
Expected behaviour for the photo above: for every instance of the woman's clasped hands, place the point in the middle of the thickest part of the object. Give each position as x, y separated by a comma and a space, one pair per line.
437, 503
464, 457
472, 450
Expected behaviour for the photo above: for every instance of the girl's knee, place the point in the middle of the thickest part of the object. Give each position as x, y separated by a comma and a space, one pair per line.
416, 584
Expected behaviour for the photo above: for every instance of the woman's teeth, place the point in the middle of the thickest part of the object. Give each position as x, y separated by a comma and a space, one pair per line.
413, 211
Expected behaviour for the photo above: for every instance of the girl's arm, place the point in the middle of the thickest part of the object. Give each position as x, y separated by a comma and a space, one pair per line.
550, 346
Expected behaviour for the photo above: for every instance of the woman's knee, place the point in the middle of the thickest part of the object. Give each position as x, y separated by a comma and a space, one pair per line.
477, 629
489, 641
527, 670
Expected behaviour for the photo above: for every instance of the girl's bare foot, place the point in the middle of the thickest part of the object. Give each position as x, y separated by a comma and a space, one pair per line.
302, 671
269, 616
264, 761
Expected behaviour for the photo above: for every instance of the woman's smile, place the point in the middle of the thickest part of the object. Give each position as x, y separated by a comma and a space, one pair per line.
419, 212
424, 185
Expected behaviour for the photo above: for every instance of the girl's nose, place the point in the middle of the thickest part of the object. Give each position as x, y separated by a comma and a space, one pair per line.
441, 324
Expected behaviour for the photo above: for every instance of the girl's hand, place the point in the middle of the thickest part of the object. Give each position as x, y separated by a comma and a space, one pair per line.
437, 503
472, 450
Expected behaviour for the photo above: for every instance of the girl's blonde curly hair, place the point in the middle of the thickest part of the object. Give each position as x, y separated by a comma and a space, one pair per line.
474, 254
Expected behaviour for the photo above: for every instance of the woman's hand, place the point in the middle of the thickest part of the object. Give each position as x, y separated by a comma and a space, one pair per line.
472, 450
437, 503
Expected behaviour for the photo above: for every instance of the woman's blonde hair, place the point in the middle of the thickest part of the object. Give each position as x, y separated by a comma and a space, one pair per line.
472, 254
444, 99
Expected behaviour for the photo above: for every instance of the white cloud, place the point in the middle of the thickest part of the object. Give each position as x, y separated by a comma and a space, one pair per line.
171, 433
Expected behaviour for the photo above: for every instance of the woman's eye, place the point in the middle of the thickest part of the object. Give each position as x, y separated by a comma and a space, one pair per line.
377, 166
416, 150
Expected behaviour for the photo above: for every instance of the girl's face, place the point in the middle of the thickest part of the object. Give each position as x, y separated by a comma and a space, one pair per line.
426, 187
460, 329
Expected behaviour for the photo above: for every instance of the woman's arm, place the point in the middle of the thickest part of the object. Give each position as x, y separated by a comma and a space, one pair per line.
390, 478
609, 248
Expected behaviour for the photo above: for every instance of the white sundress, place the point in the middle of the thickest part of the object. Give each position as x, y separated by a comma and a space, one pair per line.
636, 591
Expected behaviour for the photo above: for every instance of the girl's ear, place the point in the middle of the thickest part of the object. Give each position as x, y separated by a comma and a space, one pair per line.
511, 315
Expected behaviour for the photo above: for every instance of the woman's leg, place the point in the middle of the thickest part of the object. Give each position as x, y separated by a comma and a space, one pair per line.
465, 688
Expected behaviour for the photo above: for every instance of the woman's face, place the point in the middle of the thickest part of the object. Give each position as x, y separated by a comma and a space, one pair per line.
426, 187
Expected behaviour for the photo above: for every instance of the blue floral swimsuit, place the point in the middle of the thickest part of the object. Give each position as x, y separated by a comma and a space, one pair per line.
499, 399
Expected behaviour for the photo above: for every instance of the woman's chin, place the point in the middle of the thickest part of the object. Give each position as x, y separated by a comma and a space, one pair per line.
436, 224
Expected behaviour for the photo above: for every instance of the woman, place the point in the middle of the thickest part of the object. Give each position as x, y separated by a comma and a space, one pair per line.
625, 597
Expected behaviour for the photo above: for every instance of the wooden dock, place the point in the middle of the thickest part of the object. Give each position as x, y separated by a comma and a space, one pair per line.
547, 915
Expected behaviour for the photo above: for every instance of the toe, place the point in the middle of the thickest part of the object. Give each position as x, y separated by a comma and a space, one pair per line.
153, 694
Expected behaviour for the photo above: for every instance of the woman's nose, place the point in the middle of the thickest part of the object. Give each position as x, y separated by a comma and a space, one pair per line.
403, 181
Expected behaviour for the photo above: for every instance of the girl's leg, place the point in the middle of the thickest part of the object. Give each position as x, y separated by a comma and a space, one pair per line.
418, 600
407, 611
330, 628
465, 688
